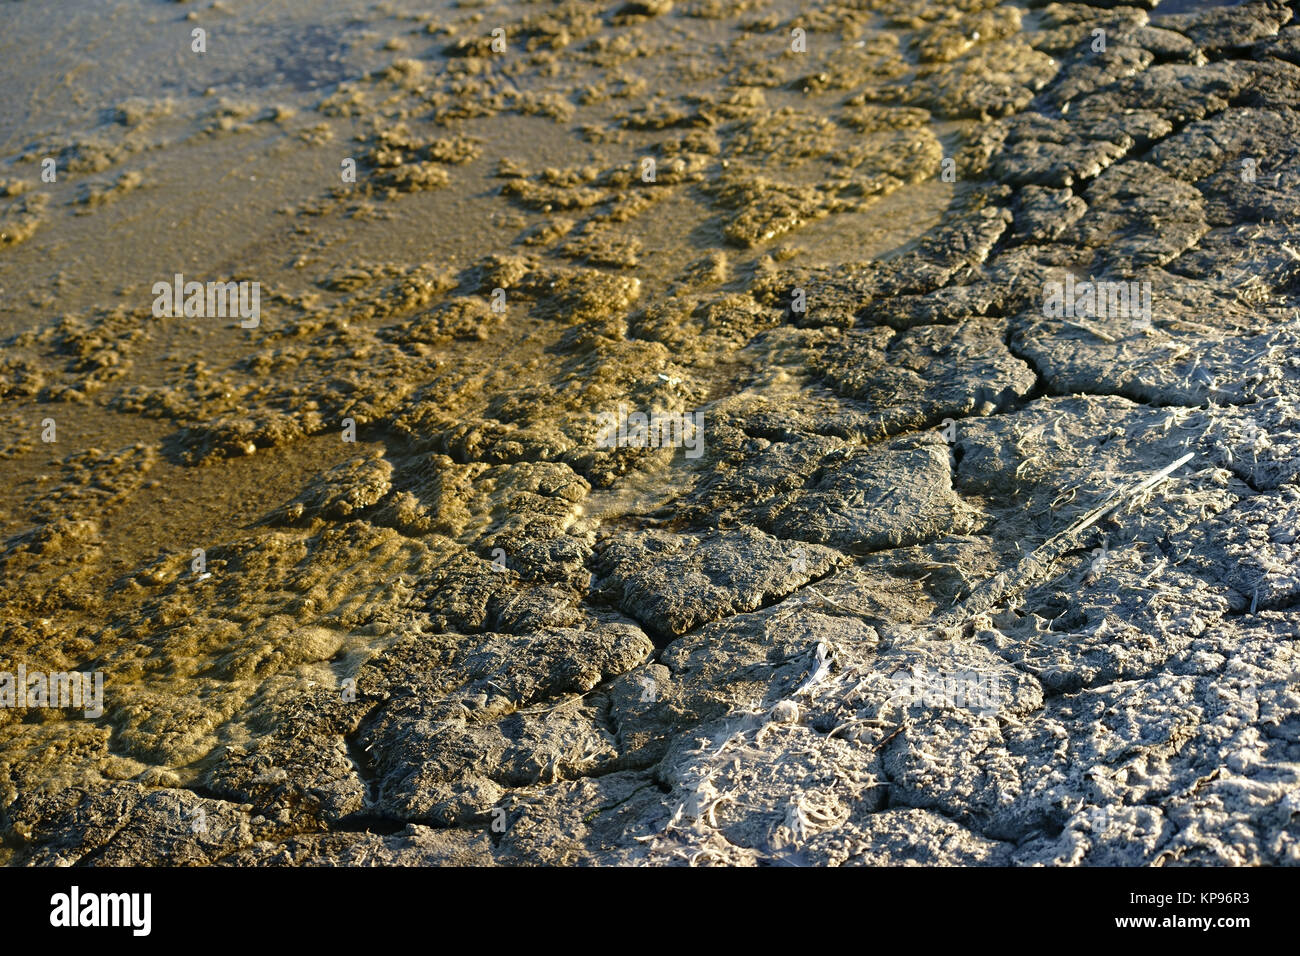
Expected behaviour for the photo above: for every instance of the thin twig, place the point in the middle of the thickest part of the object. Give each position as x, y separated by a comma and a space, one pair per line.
1035, 564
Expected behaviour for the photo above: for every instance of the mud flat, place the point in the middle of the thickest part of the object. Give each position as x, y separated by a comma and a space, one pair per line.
985, 550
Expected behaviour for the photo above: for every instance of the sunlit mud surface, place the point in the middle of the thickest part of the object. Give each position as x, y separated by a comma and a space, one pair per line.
363, 581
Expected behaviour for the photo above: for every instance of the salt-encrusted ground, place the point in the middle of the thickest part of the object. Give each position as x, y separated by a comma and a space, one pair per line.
931, 594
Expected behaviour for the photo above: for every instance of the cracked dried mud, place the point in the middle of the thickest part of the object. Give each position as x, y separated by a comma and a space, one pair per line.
946, 576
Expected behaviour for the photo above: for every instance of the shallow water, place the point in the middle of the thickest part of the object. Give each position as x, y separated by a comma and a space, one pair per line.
183, 433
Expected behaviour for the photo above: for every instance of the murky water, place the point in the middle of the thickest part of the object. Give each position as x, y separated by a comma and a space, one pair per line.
521, 170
